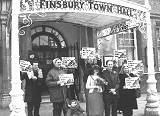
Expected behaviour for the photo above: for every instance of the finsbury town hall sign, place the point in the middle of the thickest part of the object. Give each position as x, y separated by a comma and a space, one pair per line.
76, 6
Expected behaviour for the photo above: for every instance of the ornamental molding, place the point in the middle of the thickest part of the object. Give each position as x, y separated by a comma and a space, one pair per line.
27, 21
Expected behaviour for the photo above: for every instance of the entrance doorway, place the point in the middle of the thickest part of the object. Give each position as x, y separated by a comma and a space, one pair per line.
48, 44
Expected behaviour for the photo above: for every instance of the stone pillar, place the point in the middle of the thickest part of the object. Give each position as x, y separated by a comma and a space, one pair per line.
152, 107
17, 106
135, 44
5, 98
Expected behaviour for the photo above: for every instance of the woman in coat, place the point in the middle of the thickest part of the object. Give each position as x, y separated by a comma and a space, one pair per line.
127, 100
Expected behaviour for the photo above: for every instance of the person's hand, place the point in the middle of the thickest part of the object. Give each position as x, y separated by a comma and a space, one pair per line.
59, 82
34, 77
40, 75
124, 87
113, 91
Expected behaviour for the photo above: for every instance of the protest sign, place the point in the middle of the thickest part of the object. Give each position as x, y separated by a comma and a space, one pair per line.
120, 53
66, 79
24, 65
136, 66
132, 83
69, 62
88, 53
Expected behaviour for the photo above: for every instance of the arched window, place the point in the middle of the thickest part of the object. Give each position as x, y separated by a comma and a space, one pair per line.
46, 36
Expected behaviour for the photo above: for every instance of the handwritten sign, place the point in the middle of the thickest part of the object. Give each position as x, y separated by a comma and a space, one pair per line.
120, 53
88, 53
132, 83
24, 65
69, 62
136, 66
66, 79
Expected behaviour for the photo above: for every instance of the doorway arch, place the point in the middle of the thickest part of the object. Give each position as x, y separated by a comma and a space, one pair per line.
48, 43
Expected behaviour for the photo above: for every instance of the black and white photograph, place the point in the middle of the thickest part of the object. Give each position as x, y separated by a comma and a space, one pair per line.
79, 57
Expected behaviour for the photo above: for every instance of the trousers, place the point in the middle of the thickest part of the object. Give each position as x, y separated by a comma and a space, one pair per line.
33, 108
110, 105
58, 107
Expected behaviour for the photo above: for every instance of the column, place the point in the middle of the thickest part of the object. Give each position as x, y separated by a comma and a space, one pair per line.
135, 44
5, 99
152, 107
17, 106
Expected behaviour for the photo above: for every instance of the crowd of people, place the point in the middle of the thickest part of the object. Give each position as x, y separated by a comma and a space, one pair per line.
105, 90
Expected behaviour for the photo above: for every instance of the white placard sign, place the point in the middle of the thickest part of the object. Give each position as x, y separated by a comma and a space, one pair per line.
69, 62
88, 53
120, 53
132, 83
24, 65
66, 79
136, 65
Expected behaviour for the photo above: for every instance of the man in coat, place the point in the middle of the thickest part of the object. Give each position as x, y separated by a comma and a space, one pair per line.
34, 80
56, 90
110, 94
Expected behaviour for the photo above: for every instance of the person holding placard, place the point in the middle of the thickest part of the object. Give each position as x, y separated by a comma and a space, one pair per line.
127, 100
57, 89
33, 87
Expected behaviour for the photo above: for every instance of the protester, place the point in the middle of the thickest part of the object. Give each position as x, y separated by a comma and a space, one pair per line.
127, 100
33, 83
88, 67
94, 85
57, 90
110, 93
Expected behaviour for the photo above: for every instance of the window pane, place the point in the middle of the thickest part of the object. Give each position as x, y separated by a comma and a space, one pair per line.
33, 31
48, 29
35, 42
43, 40
38, 29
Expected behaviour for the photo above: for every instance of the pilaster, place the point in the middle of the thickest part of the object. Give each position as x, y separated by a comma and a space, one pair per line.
4, 95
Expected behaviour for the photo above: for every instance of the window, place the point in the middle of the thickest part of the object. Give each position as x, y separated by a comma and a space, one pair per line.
125, 40
47, 36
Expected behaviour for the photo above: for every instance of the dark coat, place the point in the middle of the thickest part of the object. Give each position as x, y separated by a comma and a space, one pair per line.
127, 98
32, 88
113, 83
57, 92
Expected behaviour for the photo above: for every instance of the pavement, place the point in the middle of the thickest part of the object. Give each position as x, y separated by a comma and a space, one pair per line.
46, 108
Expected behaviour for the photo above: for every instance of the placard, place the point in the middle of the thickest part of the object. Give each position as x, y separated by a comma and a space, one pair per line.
120, 53
66, 79
24, 65
69, 62
88, 53
136, 66
132, 83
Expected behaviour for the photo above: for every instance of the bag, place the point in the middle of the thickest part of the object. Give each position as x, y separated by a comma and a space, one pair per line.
138, 93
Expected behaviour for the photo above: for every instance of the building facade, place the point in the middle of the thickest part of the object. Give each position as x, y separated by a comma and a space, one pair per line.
57, 37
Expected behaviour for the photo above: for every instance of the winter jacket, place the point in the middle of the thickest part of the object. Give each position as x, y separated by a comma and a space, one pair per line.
113, 83
32, 88
127, 98
57, 92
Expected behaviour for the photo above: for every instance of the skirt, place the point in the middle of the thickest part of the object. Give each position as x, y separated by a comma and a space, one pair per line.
95, 104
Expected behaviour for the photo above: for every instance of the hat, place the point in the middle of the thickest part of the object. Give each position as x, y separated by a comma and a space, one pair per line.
55, 60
